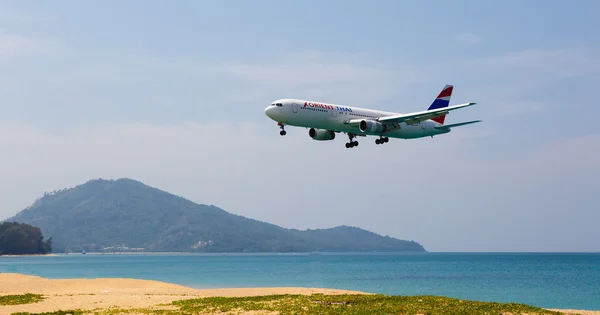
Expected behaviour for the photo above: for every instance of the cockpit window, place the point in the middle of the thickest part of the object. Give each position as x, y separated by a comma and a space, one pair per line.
278, 104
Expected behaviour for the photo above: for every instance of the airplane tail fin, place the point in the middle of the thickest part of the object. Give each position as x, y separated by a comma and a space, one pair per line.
441, 101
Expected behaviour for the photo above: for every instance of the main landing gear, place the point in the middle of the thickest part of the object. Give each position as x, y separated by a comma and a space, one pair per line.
282, 132
382, 140
351, 144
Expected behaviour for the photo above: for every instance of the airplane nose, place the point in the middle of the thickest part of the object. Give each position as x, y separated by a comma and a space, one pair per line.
270, 111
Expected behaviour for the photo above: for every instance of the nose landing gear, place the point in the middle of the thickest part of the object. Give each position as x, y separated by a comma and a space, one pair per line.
282, 132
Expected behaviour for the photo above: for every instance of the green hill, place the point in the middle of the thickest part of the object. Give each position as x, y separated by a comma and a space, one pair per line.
125, 214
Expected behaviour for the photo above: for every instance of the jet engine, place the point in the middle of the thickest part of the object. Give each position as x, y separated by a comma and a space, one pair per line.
371, 126
321, 134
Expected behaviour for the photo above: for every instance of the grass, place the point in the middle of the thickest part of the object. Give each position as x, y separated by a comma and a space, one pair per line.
325, 304
353, 304
20, 299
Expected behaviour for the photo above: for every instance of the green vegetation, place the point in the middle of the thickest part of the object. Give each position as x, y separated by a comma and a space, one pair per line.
328, 304
22, 239
353, 304
20, 299
107, 213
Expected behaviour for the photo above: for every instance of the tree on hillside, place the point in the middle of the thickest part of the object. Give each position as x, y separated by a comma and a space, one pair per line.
22, 239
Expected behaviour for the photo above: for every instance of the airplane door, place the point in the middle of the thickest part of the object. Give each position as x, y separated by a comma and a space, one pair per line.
295, 108
334, 112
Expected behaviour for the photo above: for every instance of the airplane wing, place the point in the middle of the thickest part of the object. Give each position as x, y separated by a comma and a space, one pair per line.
417, 117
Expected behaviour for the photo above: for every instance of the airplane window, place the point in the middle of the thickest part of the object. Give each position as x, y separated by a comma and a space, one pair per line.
279, 104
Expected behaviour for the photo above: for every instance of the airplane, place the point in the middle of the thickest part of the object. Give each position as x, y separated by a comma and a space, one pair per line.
325, 120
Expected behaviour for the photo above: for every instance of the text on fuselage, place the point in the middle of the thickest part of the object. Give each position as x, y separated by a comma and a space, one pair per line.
326, 106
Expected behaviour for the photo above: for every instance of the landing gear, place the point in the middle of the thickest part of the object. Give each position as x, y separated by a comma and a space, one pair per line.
282, 132
351, 144
382, 140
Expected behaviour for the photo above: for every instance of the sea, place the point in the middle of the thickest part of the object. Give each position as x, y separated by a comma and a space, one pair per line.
548, 280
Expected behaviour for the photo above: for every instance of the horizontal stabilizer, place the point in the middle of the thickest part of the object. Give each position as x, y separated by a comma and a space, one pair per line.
458, 124
417, 117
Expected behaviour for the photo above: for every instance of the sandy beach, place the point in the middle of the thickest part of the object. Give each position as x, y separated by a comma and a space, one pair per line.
90, 294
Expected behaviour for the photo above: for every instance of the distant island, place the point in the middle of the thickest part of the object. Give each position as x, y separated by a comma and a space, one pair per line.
23, 239
125, 215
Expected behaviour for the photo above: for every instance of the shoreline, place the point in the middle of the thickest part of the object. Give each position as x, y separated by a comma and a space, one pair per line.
106, 293
285, 253
28, 255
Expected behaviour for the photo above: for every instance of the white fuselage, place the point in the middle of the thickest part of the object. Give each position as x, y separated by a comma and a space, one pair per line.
334, 117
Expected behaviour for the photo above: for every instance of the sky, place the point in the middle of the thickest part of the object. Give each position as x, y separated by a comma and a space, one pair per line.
173, 95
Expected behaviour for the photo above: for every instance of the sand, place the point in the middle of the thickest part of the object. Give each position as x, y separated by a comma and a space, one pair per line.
88, 294
104, 293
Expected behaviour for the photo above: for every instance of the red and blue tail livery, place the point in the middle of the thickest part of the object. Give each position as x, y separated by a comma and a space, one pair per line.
442, 101
324, 121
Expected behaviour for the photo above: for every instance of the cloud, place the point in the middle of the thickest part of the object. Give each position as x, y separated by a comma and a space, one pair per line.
561, 63
518, 108
12, 45
126, 87
562, 158
534, 67
345, 77
469, 38
518, 82
426, 189
313, 79
9, 15
339, 77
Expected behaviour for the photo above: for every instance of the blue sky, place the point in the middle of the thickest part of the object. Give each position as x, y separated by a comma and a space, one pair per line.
173, 95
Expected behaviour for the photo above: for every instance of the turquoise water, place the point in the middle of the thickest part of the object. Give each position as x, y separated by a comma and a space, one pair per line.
544, 280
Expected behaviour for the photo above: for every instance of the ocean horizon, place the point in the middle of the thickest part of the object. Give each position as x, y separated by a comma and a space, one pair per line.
566, 280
